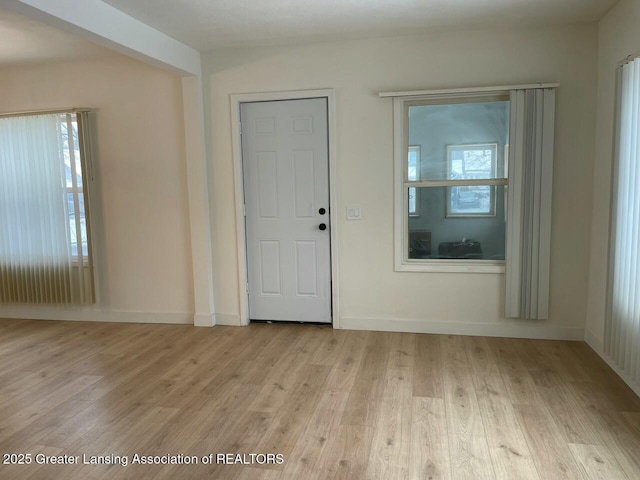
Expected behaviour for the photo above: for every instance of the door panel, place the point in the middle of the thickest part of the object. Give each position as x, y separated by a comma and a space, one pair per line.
286, 182
270, 267
304, 184
306, 271
267, 184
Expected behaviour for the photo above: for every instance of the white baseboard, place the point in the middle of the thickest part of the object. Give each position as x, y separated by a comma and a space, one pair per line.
228, 319
200, 320
597, 344
594, 341
462, 328
83, 314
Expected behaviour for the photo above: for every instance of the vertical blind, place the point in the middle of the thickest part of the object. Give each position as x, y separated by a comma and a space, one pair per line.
528, 250
622, 331
45, 247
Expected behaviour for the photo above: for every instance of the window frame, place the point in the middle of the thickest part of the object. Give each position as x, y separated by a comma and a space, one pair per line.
402, 262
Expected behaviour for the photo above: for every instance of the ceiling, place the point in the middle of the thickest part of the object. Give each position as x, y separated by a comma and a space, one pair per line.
27, 41
210, 24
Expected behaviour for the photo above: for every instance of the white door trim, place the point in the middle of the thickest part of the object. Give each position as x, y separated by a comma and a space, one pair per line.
236, 100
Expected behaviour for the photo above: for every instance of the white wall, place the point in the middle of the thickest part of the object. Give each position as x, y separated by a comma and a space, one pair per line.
371, 293
144, 254
618, 37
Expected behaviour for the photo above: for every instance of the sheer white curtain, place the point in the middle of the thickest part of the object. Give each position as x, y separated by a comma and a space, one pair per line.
531, 140
38, 261
622, 333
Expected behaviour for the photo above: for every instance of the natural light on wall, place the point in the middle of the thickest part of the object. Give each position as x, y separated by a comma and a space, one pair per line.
45, 247
622, 334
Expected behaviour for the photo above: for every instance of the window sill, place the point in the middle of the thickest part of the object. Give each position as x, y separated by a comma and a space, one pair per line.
455, 266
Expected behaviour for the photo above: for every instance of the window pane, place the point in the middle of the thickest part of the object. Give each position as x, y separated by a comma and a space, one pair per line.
471, 201
471, 162
67, 152
76, 146
460, 140
439, 233
412, 176
72, 225
413, 162
412, 201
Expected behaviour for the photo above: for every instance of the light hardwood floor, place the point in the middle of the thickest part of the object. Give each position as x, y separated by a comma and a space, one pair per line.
336, 404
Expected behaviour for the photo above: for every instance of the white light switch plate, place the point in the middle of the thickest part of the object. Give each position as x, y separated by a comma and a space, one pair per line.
354, 212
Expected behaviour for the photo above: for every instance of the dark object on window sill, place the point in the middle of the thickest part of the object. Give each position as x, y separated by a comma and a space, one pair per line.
419, 244
465, 249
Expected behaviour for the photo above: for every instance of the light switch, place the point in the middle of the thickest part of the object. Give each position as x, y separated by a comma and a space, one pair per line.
354, 212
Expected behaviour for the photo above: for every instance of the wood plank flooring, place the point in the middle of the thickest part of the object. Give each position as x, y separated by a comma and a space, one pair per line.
336, 404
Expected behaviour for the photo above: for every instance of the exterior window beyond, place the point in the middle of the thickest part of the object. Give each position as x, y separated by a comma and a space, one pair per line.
73, 187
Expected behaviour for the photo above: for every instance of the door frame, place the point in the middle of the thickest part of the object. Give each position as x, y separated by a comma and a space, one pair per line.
241, 238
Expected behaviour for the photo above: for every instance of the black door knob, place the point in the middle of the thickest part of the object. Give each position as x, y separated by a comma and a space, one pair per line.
322, 226
322, 211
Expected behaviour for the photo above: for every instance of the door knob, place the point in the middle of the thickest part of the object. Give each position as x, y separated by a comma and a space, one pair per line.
322, 211
322, 226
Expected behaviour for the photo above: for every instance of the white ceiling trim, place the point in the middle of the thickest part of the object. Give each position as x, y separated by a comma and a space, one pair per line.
105, 25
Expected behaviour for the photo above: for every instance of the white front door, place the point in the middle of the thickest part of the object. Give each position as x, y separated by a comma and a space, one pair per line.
285, 160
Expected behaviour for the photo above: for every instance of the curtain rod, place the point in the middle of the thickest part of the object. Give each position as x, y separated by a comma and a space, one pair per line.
629, 59
448, 91
44, 112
